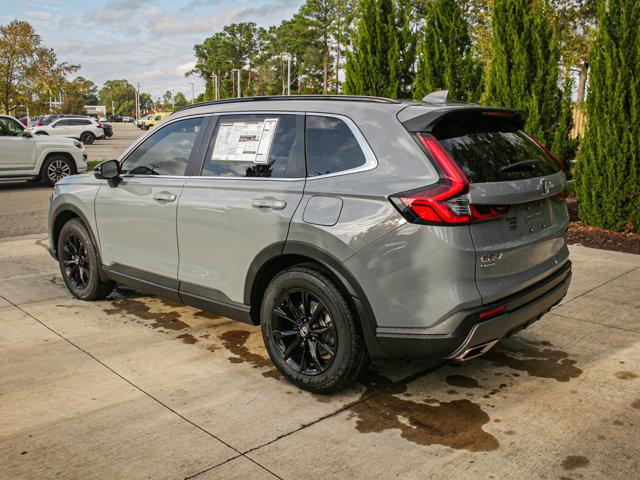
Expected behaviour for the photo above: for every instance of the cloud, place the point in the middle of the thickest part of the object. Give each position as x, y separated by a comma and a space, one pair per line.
185, 67
114, 12
150, 42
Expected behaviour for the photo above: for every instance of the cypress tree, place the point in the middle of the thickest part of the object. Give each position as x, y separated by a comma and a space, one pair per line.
373, 66
608, 178
445, 59
524, 71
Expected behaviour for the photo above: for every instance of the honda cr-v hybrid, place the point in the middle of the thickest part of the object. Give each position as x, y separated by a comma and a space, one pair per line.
349, 228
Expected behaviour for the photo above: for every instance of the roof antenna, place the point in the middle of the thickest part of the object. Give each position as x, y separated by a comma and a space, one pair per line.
441, 96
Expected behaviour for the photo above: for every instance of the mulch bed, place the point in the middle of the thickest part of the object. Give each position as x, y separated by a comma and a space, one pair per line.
581, 234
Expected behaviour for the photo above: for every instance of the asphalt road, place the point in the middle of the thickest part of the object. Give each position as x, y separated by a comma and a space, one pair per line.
24, 205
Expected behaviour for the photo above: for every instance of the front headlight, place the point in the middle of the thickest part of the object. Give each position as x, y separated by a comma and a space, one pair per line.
77, 143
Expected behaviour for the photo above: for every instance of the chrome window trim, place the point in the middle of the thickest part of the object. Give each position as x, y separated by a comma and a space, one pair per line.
371, 161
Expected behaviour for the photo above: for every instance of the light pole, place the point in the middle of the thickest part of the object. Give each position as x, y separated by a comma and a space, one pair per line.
138, 104
288, 74
239, 78
216, 79
193, 93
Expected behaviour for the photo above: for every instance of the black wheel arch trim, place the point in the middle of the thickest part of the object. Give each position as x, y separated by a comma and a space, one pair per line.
69, 207
337, 269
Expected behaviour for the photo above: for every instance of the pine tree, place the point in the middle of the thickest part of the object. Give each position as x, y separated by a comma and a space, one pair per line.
373, 65
445, 58
608, 170
525, 68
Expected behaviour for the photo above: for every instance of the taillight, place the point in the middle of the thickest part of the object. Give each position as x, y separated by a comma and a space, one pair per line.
560, 197
444, 201
547, 151
100, 125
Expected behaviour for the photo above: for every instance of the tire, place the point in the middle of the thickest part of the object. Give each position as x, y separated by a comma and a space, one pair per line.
87, 138
55, 168
79, 262
331, 330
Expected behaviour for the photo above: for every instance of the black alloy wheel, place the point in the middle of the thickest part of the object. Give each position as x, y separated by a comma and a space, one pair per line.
80, 263
304, 332
311, 331
87, 138
75, 259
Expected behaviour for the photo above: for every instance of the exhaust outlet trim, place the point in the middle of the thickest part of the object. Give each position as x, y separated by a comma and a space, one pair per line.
475, 351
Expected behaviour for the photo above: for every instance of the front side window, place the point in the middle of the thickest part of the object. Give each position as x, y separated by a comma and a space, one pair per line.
331, 146
269, 145
62, 123
10, 128
166, 152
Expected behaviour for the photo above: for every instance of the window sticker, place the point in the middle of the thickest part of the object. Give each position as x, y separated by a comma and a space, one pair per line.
248, 141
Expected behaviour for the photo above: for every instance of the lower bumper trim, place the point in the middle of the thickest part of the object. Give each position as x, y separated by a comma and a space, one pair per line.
465, 340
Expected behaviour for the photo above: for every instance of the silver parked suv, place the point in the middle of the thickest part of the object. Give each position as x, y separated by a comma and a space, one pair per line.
349, 228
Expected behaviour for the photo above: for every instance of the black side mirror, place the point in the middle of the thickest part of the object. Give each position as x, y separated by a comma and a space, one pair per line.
108, 170
26, 134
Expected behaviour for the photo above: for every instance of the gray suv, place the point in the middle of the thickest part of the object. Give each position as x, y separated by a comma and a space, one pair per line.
349, 228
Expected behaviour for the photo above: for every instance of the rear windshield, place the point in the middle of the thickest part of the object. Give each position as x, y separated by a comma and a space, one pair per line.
493, 150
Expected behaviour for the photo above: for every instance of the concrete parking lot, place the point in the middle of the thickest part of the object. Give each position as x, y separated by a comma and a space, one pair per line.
25, 204
137, 387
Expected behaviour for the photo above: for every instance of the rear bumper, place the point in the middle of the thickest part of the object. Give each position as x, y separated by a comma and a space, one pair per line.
466, 332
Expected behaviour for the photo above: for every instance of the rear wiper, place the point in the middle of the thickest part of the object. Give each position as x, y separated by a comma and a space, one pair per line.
524, 165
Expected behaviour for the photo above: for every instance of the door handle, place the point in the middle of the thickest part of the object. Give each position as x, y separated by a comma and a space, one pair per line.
268, 202
164, 197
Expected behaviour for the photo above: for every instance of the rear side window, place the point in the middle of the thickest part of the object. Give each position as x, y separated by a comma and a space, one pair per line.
269, 145
492, 150
331, 146
166, 152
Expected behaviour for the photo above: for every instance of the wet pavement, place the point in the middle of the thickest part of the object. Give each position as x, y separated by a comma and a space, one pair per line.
139, 387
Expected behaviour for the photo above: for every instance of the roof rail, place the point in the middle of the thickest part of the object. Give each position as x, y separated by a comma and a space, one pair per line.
340, 98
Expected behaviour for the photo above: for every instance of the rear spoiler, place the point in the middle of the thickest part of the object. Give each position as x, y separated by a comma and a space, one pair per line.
421, 119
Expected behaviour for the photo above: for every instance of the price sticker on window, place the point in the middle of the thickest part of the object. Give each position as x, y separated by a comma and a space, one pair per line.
245, 141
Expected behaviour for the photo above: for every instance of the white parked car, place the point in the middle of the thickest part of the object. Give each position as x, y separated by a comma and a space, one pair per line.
87, 130
42, 157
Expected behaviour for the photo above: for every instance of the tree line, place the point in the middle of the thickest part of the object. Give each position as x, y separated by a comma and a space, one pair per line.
32, 78
516, 53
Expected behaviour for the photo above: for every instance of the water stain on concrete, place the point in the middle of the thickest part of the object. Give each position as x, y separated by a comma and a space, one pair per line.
188, 338
161, 319
235, 341
636, 404
462, 381
573, 462
530, 357
43, 243
207, 315
456, 424
626, 375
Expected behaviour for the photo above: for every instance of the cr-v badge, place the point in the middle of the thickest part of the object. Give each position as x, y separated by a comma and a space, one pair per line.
490, 260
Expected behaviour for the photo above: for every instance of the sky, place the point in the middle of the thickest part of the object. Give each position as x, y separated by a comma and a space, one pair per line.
148, 41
